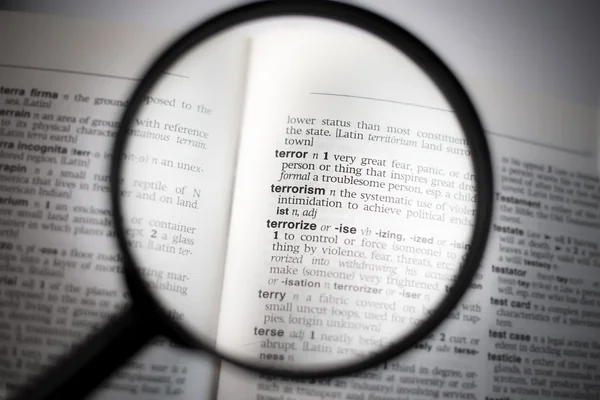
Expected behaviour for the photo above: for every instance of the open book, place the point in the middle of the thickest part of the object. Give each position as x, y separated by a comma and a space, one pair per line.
527, 329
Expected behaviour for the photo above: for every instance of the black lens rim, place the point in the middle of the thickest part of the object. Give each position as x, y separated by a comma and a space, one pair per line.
426, 59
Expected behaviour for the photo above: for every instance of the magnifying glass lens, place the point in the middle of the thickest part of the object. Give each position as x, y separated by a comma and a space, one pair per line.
304, 205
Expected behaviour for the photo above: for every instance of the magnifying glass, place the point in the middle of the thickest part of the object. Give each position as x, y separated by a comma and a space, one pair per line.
331, 226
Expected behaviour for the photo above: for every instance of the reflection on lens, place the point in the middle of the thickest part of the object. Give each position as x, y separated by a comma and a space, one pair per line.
299, 193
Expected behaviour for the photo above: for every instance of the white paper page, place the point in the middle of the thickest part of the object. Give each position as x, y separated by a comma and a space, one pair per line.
507, 338
292, 76
59, 252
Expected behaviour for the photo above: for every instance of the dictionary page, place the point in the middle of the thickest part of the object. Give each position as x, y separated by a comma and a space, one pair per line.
63, 86
528, 327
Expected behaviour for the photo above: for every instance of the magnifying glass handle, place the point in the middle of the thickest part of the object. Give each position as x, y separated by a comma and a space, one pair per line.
90, 363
